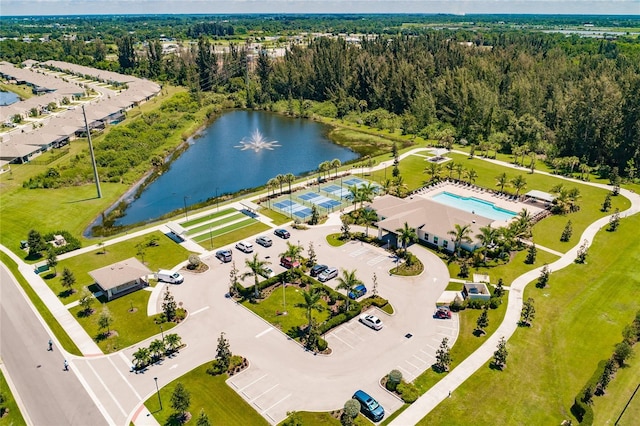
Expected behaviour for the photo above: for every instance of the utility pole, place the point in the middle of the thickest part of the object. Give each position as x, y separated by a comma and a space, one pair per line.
93, 157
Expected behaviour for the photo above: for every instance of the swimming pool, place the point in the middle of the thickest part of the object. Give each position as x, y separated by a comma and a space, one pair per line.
474, 205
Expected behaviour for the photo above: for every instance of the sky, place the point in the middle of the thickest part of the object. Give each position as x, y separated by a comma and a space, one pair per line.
99, 7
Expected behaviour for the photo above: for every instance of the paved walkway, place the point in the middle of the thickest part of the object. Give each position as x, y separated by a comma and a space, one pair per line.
427, 402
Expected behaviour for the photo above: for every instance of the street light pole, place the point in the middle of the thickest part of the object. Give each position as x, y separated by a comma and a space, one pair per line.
186, 214
162, 332
217, 201
158, 392
210, 238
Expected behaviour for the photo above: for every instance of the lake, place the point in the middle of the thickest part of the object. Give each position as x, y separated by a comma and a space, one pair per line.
240, 150
8, 98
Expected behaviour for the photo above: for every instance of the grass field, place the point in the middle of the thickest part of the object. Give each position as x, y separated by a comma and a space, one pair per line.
44, 312
607, 408
222, 404
234, 216
232, 233
13, 417
579, 319
166, 254
207, 218
131, 327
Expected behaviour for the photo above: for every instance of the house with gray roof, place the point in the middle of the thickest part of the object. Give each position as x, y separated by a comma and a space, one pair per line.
121, 278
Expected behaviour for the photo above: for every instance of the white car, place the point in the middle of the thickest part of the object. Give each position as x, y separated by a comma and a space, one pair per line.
371, 321
245, 246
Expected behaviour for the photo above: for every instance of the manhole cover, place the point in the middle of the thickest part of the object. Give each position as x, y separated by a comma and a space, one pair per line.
408, 335
38, 366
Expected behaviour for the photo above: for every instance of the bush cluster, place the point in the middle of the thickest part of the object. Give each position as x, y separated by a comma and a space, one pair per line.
72, 242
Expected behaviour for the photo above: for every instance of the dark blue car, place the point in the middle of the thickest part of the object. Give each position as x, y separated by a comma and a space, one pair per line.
369, 406
357, 292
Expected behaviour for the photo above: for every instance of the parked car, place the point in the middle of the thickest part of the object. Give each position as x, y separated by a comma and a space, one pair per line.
443, 313
264, 241
224, 255
289, 263
282, 233
245, 246
327, 274
358, 291
317, 270
267, 272
371, 321
170, 277
369, 406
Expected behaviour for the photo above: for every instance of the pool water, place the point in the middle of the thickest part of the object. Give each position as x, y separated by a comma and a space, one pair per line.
474, 205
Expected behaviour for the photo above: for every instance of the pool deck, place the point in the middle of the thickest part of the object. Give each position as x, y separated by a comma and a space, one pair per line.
482, 194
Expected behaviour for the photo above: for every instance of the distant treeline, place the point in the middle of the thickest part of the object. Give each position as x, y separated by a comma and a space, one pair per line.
505, 90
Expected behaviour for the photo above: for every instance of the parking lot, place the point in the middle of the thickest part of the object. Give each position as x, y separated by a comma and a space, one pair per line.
283, 376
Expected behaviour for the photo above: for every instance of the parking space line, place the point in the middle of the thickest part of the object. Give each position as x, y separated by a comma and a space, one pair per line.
359, 252
199, 310
336, 336
419, 359
277, 403
431, 347
404, 369
264, 332
376, 260
268, 390
252, 383
414, 366
427, 353
353, 333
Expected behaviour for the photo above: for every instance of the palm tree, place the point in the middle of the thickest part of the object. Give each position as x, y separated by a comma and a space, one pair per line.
460, 234
472, 175
502, 181
450, 166
294, 252
518, 184
386, 185
256, 269
434, 170
399, 185
272, 184
141, 358
354, 194
367, 217
348, 281
486, 236
406, 235
173, 341
311, 303
367, 192
324, 167
289, 178
156, 347
280, 179
459, 170
335, 164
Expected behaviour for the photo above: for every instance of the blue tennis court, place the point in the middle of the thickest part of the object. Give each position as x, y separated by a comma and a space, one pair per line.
336, 191
355, 181
319, 200
293, 208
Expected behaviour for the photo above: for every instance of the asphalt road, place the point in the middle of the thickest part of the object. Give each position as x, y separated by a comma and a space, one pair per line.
51, 396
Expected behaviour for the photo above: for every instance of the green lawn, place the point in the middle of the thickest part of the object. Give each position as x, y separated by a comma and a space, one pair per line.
579, 319
334, 240
208, 217
269, 308
277, 218
14, 417
205, 227
131, 327
507, 271
222, 404
233, 233
64, 339
166, 255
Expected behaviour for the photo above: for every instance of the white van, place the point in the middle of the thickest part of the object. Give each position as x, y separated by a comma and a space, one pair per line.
170, 277
245, 246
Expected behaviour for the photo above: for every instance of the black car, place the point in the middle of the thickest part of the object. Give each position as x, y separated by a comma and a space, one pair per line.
224, 255
282, 233
317, 270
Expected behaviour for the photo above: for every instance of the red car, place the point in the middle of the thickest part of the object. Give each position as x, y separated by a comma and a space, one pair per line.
443, 313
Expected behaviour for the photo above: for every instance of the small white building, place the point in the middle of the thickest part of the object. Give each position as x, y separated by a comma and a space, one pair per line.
121, 278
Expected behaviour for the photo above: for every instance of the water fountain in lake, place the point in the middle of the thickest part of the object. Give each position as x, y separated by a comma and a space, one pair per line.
257, 142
